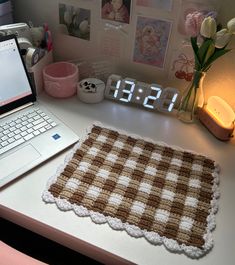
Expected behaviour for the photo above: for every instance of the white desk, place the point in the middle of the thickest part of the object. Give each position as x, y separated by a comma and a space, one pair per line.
21, 201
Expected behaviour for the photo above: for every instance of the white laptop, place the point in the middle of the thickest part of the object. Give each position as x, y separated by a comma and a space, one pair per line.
29, 134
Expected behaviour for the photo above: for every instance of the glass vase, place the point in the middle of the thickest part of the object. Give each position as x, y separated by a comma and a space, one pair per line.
192, 99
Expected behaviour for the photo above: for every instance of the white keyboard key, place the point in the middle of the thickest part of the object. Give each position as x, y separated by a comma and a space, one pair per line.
18, 121
36, 117
30, 125
30, 130
38, 121
4, 143
12, 129
4, 138
17, 136
29, 136
40, 125
24, 133
11, 140
10, 146
24, 128
32, 114
12, 124
11, 134
6, 132
36, 132
42, 129
17, 131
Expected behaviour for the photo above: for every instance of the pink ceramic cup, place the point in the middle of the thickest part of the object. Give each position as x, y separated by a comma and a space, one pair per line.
60, 79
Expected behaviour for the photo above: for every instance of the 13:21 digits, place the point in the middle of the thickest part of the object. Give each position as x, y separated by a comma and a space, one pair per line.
151, 96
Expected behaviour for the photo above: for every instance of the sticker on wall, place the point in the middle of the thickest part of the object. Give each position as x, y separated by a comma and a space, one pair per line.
116, 10
189, 6
182, 64
159, 4
74, 21
151, 41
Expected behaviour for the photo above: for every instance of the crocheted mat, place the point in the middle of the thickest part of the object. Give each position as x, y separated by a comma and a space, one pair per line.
164, 193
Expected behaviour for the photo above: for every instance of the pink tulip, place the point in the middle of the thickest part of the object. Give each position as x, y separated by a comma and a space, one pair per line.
193, 23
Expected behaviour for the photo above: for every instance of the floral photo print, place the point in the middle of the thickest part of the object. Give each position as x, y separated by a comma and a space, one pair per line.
74, 21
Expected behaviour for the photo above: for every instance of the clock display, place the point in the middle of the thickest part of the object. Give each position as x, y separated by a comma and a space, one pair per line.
151, 96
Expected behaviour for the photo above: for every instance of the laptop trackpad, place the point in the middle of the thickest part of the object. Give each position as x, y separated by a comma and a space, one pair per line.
18, 159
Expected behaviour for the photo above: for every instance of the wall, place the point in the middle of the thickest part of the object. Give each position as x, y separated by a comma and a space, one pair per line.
220, 79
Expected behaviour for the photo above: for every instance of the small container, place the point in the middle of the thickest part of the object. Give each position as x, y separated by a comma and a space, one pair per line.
91, 90
60, 79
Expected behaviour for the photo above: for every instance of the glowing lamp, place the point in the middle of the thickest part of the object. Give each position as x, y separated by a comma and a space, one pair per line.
218, 117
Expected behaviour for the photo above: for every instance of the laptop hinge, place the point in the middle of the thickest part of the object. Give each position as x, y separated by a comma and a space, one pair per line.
17, 109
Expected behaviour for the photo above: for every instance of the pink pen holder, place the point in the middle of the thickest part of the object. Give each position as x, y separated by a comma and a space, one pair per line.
60, 79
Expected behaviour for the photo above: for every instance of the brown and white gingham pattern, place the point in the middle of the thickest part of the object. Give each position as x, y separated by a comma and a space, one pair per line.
154, 187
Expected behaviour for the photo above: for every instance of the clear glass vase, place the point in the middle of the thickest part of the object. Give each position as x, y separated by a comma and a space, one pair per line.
192, 99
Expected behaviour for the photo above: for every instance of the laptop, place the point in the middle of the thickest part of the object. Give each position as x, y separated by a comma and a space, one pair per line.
29, 133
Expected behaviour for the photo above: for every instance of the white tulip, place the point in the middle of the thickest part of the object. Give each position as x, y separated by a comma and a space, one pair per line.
208, 27
84, 26
222, 38
231, 25
68, 17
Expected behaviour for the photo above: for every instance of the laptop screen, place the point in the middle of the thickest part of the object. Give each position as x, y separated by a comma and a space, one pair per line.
15, 88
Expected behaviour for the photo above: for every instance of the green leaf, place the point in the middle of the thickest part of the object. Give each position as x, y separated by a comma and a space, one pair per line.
195, 49
210, 52
194, 44
206, 50
215, 56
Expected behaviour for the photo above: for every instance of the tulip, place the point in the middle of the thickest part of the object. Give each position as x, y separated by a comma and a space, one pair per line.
67, 17
231, 25
222, 38
84, 26
193, 23
208, 27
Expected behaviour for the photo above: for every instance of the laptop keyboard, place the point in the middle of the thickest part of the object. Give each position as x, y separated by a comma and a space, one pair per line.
24, 128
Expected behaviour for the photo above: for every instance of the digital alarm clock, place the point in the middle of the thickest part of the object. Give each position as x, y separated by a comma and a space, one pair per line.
150, 96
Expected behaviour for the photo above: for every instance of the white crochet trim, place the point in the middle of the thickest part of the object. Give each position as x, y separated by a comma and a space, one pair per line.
133, 230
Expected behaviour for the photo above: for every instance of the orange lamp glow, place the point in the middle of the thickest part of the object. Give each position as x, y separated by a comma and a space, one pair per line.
218, 117
221, 111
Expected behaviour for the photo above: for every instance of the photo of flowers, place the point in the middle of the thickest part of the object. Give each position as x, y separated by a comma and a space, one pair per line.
151, 41
74, 21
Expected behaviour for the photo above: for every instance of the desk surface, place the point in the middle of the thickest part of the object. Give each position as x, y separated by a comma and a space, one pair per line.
21, 201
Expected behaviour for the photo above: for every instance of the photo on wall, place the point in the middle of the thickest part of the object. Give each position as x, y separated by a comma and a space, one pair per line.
151, 41
74, 21
116, 10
